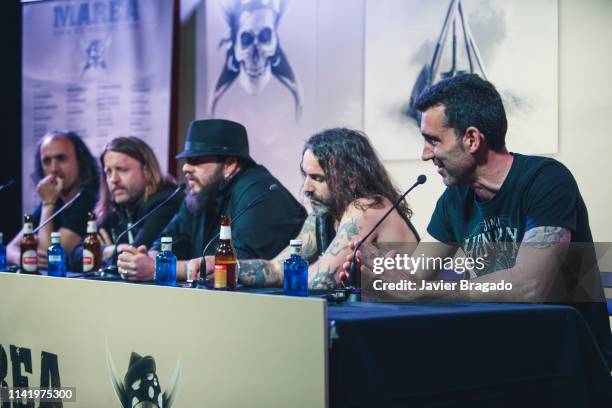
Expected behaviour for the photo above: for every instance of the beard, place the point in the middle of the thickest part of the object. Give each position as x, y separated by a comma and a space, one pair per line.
321, 205
205, 198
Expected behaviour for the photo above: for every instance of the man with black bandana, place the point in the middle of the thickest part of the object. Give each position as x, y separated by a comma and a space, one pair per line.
223, 179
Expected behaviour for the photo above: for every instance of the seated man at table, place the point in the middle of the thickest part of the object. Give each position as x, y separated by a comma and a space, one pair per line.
223, 180
134, 186
349, 191
63, 167
521, 217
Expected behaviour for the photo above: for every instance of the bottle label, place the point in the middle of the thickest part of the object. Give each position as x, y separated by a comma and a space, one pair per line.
55, 258
166, 247
29, 261
28, 228
88, 260
226, 232
91, 227
220, 276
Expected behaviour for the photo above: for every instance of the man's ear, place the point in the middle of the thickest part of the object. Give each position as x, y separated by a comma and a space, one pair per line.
472, 139
230, 167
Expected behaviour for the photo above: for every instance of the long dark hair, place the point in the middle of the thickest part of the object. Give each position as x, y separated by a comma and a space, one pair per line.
89, 174
138, 150
352, 169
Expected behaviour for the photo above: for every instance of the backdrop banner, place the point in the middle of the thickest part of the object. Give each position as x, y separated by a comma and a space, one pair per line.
101, 69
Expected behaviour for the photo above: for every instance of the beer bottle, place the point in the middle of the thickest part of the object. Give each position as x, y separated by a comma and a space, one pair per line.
29, 245
92, 255
225, 258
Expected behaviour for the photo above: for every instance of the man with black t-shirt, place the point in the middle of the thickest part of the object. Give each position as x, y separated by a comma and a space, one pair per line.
522, 216
63, 167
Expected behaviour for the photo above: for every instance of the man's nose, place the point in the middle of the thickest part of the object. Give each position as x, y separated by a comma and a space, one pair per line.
54, 166
307, 187
427, 153
114, 177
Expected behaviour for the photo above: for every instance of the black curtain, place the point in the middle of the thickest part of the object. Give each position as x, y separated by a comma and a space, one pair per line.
10, 117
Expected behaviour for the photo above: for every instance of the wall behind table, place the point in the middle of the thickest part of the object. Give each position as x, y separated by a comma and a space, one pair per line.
584, 102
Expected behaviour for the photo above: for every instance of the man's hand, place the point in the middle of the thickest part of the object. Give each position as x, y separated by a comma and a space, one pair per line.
192, 269
135, 264
50, 188
210, 267
42, 259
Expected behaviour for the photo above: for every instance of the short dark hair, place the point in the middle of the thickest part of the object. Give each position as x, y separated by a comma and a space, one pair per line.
468, 100
352, 169
89, 175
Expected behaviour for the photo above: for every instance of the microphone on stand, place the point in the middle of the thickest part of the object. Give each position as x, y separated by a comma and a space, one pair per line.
112, 269
255, 201
68, 204
354, 278
58, 212
7, 184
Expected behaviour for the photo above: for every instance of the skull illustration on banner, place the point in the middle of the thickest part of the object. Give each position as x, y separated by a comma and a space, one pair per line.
253, 50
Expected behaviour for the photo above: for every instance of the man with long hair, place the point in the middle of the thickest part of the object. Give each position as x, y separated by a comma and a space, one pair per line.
132, 186
63, 167
349, 191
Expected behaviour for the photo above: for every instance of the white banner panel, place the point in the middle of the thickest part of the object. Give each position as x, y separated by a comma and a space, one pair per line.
100, 68
260, 70
170, 347
513, 43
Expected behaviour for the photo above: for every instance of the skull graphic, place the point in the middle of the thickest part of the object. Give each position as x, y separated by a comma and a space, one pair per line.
256, 45
253, 51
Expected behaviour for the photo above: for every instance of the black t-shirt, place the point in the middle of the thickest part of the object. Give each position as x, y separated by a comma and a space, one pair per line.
148, 231
537, 192
74, 217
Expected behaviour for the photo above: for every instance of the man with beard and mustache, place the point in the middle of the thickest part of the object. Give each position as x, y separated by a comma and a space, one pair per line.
134, 185
522, 215
63, 166
223, 179
349, 191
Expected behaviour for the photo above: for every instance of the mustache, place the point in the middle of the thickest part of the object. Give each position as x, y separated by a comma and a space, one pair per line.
312, 196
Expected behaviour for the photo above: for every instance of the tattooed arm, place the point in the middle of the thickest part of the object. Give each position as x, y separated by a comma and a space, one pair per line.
259, 272
538, 262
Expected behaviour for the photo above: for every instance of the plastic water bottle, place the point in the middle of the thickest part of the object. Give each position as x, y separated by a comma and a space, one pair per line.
296, 271
2, 253
56, 257
165, 264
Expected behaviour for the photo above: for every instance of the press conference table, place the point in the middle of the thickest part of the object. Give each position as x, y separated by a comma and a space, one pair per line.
464, 354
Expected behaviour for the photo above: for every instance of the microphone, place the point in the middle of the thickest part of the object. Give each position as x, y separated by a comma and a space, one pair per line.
112, 269
68, 204
354, 281
273, 187
58, 212
255, 201
7, 184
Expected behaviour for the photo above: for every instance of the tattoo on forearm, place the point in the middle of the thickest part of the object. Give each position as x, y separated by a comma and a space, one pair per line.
308, 234
546, 237
256, 273
343, 238
322, 279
